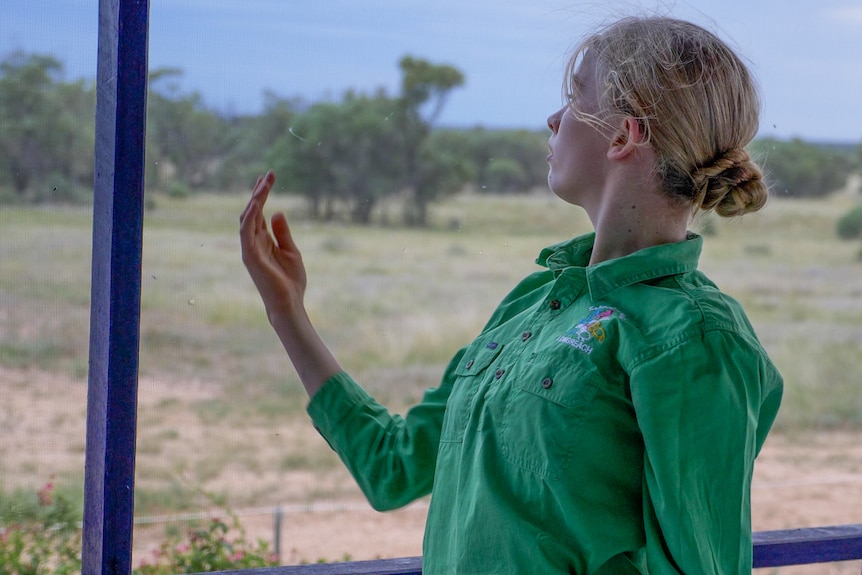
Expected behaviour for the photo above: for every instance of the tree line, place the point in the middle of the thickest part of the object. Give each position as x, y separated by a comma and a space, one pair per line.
345, 157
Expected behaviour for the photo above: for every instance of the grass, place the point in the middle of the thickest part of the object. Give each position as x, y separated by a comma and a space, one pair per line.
219, 400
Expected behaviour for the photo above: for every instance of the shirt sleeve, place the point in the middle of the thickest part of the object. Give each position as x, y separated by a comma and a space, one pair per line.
392, 458
703, 407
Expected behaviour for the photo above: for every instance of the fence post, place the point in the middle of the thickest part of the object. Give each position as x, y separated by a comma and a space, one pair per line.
278, 515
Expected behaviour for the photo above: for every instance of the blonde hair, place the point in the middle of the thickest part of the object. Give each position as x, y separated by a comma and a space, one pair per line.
696, 100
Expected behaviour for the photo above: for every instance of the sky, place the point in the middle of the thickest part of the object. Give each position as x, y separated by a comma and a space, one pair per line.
806, 54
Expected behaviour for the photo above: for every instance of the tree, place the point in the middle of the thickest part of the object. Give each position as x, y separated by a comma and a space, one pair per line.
438, 174
505, 176
75, 134
357, 152
249, 139
424, 86
497, 161
46, 128
184, 138
425, 83
301, 161
799, 169
349, 153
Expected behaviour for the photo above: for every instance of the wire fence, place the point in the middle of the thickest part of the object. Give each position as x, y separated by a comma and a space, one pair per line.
278, 514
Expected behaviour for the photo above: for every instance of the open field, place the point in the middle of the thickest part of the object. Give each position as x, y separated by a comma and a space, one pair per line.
221, 411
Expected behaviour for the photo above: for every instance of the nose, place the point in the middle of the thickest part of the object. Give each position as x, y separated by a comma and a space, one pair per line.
554, 120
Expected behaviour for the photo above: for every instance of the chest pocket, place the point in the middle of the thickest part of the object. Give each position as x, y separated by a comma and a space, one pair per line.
544, 414
469, 374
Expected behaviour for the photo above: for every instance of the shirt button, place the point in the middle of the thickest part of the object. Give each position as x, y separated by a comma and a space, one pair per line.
554, 304
469, 364
526, 335
499, 373
547, 383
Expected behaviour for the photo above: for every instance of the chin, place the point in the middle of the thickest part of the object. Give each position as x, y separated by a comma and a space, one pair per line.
559, 193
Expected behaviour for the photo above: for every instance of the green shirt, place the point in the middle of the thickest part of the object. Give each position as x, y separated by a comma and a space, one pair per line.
605, 421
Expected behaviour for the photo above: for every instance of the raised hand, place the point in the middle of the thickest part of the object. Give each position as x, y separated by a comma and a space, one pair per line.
272, 259
275, 265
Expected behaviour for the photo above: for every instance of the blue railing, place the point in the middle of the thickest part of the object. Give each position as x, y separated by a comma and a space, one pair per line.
771, 549
806, 546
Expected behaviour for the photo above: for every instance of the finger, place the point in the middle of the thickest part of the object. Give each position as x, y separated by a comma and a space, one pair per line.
253, 204
256, 184
264, 184
259, 195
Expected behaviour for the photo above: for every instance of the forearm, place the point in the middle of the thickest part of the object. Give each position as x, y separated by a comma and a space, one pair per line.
313, 361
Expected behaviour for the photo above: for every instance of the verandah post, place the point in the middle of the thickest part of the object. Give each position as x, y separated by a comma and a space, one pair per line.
121, 97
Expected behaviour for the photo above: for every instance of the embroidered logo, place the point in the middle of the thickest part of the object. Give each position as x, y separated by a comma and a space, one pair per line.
589, 331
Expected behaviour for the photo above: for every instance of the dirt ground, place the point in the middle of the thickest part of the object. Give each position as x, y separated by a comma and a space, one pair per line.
801, 480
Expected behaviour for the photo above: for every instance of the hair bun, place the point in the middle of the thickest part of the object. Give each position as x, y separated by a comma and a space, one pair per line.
731, 184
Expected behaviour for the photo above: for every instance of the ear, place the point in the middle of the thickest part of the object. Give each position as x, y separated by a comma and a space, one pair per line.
627, 139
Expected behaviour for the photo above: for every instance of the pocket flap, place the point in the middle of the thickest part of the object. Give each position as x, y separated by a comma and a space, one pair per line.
478, 357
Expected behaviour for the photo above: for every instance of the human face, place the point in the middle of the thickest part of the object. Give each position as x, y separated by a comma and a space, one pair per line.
578, 149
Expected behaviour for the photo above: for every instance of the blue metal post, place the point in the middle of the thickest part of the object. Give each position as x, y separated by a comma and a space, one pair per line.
121, 84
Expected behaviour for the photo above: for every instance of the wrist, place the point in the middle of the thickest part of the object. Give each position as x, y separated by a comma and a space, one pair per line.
287, 314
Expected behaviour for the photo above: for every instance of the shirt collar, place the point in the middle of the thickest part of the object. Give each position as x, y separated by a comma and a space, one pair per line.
644, 265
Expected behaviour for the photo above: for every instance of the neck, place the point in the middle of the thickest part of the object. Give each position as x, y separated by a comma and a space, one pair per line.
632, 220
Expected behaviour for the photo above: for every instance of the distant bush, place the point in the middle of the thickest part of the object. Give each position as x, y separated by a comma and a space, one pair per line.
58, 188
799, 169
179, 189
849, 226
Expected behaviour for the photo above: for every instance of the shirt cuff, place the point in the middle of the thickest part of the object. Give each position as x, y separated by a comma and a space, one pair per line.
334, 402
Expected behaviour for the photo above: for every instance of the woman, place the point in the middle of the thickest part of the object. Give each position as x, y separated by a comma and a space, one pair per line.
607, 418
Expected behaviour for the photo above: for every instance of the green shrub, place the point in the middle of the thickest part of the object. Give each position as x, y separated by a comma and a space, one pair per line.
849, 226
44, 538
207, 549
47, 542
